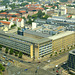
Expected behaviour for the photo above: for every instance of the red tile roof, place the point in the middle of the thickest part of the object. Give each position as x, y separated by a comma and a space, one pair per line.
35, 8
5, 22
20, 19
33, 5
40, 8
14, 14
31, 8
22, 11
48, 6
69, 16
3, 13
15, 18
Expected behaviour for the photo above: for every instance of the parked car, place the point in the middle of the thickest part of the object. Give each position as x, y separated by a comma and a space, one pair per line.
0, 60
21, 60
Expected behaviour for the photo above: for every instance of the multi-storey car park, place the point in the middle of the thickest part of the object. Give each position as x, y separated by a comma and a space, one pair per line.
37, 44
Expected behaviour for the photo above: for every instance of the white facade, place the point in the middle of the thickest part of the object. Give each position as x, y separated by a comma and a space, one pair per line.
18, 21
2, 8
73, 16
20, 24
63, 8
7, 25
34, 25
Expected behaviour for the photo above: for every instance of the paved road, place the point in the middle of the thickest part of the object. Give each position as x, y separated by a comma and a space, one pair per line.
31, 70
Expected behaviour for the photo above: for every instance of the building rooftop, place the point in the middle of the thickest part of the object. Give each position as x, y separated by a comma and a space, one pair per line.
5, 22
36, 33
24, 38
37, 28
15, 18
72, 52
63, 34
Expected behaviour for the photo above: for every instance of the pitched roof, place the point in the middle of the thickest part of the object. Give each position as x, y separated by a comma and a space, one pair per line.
4, 13
5, 22
20, 19
15, 18
33, 5
39, 8
22, 11
14, 14
69, 16
48, 6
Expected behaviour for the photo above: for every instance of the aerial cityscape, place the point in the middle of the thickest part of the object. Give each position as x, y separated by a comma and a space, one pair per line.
37, 37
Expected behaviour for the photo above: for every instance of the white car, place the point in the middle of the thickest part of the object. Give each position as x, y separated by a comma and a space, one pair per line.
56, 66
48, 61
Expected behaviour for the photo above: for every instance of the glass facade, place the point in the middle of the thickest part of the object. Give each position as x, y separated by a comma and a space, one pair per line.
71, 61
15, 44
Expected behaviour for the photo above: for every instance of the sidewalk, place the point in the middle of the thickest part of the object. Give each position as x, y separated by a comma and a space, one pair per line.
57, 62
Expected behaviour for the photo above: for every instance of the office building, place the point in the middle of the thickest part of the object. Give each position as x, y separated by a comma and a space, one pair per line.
37, 44
71, 60
34, 45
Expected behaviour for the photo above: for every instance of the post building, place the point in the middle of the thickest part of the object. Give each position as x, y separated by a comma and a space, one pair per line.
36, 44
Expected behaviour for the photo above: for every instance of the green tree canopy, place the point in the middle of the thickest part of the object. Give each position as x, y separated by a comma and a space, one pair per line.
6, 50
11, 51
2, 68
20, 54
16, 53
39, 14
0, 46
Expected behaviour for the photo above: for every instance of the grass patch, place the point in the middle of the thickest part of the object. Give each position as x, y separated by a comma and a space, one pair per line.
1, 73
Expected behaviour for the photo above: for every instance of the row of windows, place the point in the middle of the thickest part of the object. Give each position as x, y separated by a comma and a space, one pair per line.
15, 45
45, 49
46, 45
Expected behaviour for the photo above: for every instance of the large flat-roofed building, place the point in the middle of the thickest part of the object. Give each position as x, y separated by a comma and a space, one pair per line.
37, 44
34, 46
64, 40
71, 61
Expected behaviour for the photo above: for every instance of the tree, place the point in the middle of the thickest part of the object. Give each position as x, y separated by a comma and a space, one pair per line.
64, 50
24, 18
11, 51
6, 50
50, 55
74, 2
20, 54
13, 6
45, 17
34, 16
30, 21
16, 53
13, 25
19, 28
28, 16
39, 14
60, 50
53, 7
2, 68
55, 53
23, 4
0, 47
